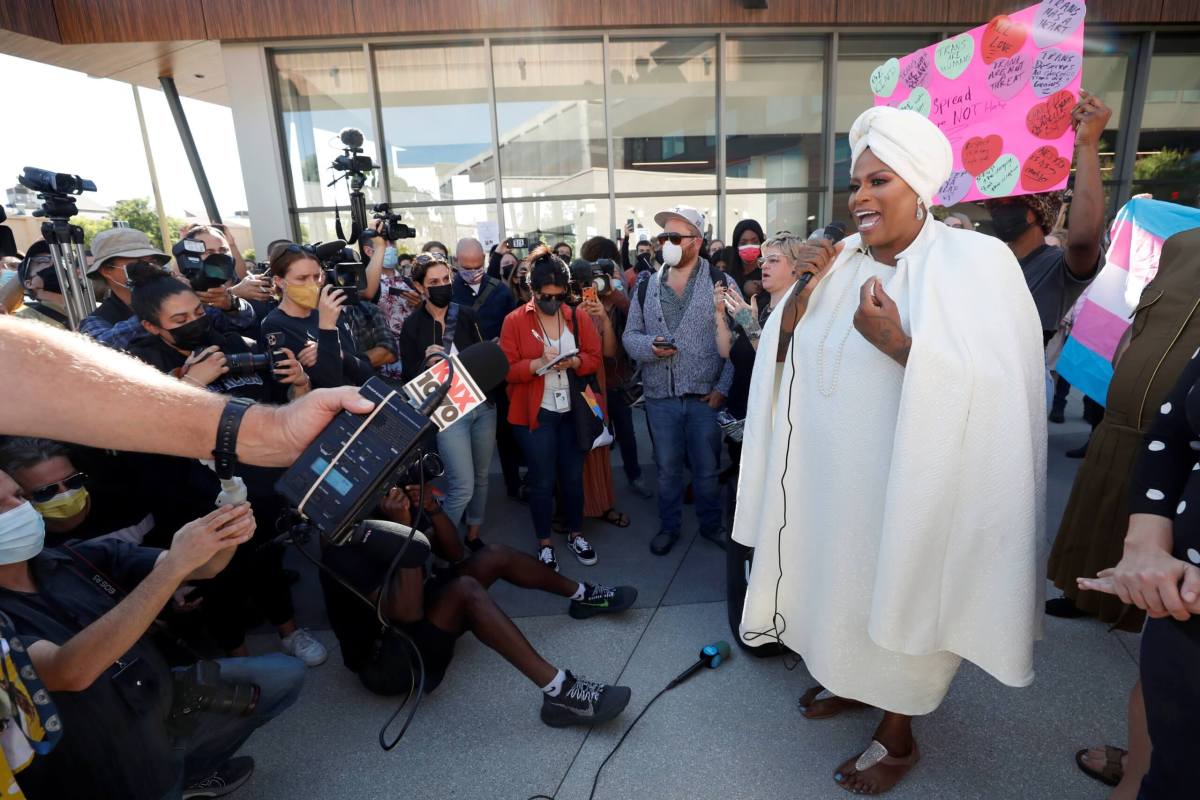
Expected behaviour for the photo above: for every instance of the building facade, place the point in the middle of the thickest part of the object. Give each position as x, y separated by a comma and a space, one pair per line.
563, 120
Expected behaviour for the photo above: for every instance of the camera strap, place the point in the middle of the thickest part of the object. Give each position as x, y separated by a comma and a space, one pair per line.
450, 327
489, 286
47, 311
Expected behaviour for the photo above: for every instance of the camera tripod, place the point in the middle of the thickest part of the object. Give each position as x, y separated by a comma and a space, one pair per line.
70, 260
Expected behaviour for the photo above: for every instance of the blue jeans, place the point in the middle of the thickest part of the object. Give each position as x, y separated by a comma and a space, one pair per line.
217, 737
686, 429
553, 456
466, 449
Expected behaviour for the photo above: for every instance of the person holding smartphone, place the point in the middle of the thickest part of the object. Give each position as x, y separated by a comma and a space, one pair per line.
390, 285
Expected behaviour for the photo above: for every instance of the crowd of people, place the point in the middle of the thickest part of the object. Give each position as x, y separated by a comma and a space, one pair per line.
860, 378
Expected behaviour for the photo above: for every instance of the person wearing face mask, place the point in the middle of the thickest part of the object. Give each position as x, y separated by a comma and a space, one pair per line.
441, 327
111, 683
742, 254
488, 297
388, 285
872, 484
540, 405
672, 335
114, 322
564, 251
1057, 276
310, 318
37, 275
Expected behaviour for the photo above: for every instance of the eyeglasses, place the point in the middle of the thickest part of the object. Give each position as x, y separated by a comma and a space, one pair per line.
675, 238
50, 490
774, 258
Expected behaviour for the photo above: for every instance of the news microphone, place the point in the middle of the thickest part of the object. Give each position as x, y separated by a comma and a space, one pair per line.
454, 386
375, 537
833, 233
345, 470
711, 656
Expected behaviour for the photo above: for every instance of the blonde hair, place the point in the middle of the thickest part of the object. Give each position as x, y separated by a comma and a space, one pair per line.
785, 242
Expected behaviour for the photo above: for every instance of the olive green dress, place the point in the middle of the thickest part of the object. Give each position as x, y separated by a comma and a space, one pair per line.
1165, 335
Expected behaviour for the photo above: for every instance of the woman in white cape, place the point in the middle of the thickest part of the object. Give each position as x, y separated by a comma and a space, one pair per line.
892, 476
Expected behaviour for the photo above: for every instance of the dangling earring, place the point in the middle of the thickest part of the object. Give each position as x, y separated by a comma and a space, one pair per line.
920, 209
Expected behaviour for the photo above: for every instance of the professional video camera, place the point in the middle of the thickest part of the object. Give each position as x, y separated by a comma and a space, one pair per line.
353, 168
393, 228
604, 273
341, 268
200, 688
55, 189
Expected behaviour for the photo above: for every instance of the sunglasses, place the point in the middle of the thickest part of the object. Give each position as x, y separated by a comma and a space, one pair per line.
50, 490
675, 238
552, 297
425, 259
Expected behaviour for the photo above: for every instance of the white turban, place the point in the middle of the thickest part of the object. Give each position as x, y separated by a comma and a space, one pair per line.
910, 144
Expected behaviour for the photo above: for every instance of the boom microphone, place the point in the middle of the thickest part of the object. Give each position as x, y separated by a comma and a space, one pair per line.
833, 233
711, 656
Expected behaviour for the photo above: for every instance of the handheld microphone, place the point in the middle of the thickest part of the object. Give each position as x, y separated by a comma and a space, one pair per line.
711, 656
374, 536
457, 384
833, 233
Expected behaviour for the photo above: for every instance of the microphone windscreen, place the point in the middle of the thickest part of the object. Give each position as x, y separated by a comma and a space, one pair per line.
835, 231
382, 539
486, 363
326, 250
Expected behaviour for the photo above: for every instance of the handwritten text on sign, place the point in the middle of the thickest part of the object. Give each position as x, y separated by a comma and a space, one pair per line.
1003, 94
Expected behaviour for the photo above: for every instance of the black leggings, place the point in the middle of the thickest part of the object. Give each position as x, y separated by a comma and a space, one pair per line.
1170, 667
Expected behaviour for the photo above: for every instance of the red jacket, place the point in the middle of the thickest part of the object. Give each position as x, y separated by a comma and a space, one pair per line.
525, 389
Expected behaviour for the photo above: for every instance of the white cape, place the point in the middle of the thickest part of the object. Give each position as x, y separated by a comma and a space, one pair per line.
956, 569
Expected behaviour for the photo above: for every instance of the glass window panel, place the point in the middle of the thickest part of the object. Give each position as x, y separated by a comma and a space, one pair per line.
858, 56
773, 111
319, 94
552, 221
775, 211
446, 224
1168, 154
550, 114
1105, 64
642, 210
437, 122
663, 111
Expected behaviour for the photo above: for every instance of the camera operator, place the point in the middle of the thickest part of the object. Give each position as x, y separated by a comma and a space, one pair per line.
388, 282
191, 351
218, 240
310, 317
441, 327
435, 610
40, 280
114, 323
82, 614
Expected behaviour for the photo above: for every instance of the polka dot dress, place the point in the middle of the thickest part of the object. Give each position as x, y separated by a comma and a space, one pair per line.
1166, 483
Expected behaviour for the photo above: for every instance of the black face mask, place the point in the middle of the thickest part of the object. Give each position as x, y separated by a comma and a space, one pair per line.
50, 282
440, 296
194, 335
1009, 221
550, 305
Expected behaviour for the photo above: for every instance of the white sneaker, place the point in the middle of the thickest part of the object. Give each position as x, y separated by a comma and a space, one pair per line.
303, 646
582, 550
546, 556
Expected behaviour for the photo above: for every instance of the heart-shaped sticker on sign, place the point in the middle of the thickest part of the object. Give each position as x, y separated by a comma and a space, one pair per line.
955, 188
1008, 76
1000, 178
1044, 169
1050, 118
1056, 20
1002, 38
885, 77
918, 101
980, 152
953, 55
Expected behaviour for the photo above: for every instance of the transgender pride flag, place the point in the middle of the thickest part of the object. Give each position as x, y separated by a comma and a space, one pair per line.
1105, 310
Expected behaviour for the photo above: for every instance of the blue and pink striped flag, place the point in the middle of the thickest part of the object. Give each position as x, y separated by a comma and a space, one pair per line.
1104, 312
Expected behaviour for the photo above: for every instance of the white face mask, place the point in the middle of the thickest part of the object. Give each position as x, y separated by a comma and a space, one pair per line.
671, 254
22, 534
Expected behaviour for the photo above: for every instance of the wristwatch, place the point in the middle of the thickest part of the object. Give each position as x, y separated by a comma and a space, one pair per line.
225, 452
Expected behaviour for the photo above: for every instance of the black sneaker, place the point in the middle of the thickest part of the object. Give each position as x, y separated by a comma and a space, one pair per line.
474, 545
584, 702
662, 543
582, 550
232, 774
546, 556
603, 600
717, 536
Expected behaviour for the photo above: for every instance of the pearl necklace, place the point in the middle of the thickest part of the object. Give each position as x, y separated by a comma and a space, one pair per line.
837, 364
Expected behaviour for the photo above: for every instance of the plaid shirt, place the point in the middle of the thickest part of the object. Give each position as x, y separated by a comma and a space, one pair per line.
369, 327
119, 336
395, 310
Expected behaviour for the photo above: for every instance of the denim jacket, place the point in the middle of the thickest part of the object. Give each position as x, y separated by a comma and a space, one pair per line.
696, 368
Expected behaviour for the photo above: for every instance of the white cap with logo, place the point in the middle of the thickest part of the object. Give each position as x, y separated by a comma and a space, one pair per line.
685, 214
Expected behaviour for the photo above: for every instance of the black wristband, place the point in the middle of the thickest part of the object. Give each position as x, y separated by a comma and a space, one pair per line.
225, 452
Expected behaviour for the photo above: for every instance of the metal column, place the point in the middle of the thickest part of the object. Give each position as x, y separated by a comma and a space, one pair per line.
189, 147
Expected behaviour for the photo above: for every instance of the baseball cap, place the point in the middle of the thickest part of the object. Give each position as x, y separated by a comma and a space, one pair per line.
685, 214
123, 243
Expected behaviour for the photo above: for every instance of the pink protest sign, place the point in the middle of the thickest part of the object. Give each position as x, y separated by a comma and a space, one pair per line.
1002, 93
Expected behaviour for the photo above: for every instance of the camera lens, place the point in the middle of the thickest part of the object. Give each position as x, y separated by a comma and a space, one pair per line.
246, 363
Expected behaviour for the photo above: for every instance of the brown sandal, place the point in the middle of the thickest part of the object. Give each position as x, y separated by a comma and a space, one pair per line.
813, 706
1111, 773
876, 755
